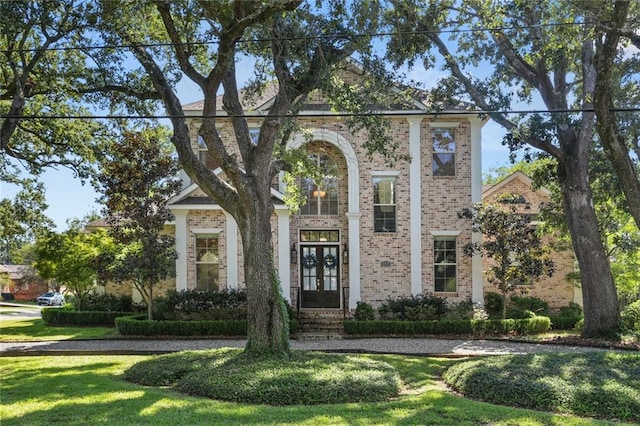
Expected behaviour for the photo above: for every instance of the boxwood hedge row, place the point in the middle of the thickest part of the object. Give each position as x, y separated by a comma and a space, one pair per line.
507, 326
139, 326
56, 316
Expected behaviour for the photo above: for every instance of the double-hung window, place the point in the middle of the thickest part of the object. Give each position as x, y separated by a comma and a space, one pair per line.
207, 261
384, 204
445, 264
444, 152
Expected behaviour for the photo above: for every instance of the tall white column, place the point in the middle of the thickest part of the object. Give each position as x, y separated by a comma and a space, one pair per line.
477, 295
415, 204
284, 255
231, 232
354, 259
181, 248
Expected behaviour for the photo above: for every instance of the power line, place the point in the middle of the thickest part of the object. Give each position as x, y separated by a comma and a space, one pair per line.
310, 115
316, 37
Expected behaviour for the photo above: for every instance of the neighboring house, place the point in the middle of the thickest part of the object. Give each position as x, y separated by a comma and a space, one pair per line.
369, 232
20, 282
127, 288
556, 290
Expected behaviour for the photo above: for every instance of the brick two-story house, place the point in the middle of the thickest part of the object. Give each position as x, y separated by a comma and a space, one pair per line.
369, 231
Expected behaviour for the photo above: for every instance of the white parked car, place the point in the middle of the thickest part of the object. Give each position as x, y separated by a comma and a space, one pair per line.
50, 299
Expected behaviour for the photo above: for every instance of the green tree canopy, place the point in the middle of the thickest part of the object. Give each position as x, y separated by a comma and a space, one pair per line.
137, 178
530, 52
298, 47
70, 259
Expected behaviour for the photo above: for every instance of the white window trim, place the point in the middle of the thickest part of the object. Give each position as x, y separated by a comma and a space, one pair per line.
384, 173
445, 233
199, 231
444, 124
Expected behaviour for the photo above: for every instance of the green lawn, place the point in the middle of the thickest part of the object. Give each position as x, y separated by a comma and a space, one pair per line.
34, 329
90, 390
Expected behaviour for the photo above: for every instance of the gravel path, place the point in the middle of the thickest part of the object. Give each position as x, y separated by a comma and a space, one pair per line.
413, 346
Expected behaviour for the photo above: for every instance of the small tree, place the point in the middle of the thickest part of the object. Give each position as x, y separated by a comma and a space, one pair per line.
70, 259
138, 178
513, 244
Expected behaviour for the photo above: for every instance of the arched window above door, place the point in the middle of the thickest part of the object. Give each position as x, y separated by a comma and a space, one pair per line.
321, 199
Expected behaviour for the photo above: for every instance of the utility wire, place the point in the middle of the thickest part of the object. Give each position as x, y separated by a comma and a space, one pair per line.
310, 115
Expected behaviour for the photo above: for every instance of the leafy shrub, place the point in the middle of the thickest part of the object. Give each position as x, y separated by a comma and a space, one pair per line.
58, 317
523, 326
420, 307
493, 303
519, 306
200, 305
305, 378
587, 384
108, 302
579, 325
571, 310
461, 310
560, 322
364, 312
631, 316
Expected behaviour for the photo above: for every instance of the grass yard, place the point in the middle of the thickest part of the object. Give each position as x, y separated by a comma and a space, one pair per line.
80, 390
34, 329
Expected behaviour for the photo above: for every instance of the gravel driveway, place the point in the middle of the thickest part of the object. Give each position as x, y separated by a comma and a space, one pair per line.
411, 346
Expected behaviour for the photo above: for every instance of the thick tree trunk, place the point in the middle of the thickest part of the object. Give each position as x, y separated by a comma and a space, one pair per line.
268, 330
601, 312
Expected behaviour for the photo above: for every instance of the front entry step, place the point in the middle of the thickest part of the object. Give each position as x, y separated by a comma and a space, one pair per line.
321, 324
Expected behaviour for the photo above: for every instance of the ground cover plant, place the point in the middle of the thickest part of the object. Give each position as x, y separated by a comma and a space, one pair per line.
81, 390
598, 384
303, 378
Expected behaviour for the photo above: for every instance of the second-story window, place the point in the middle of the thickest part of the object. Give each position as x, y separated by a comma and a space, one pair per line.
444, 152
384, 204
254, 134
321, 199
203, 155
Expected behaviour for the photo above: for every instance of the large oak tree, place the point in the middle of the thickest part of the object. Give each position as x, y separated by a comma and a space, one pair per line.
299, 47
527, 51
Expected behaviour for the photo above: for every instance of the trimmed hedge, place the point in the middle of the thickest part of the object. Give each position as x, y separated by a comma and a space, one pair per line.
58, 317
508, 326
560, 322
139, 326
